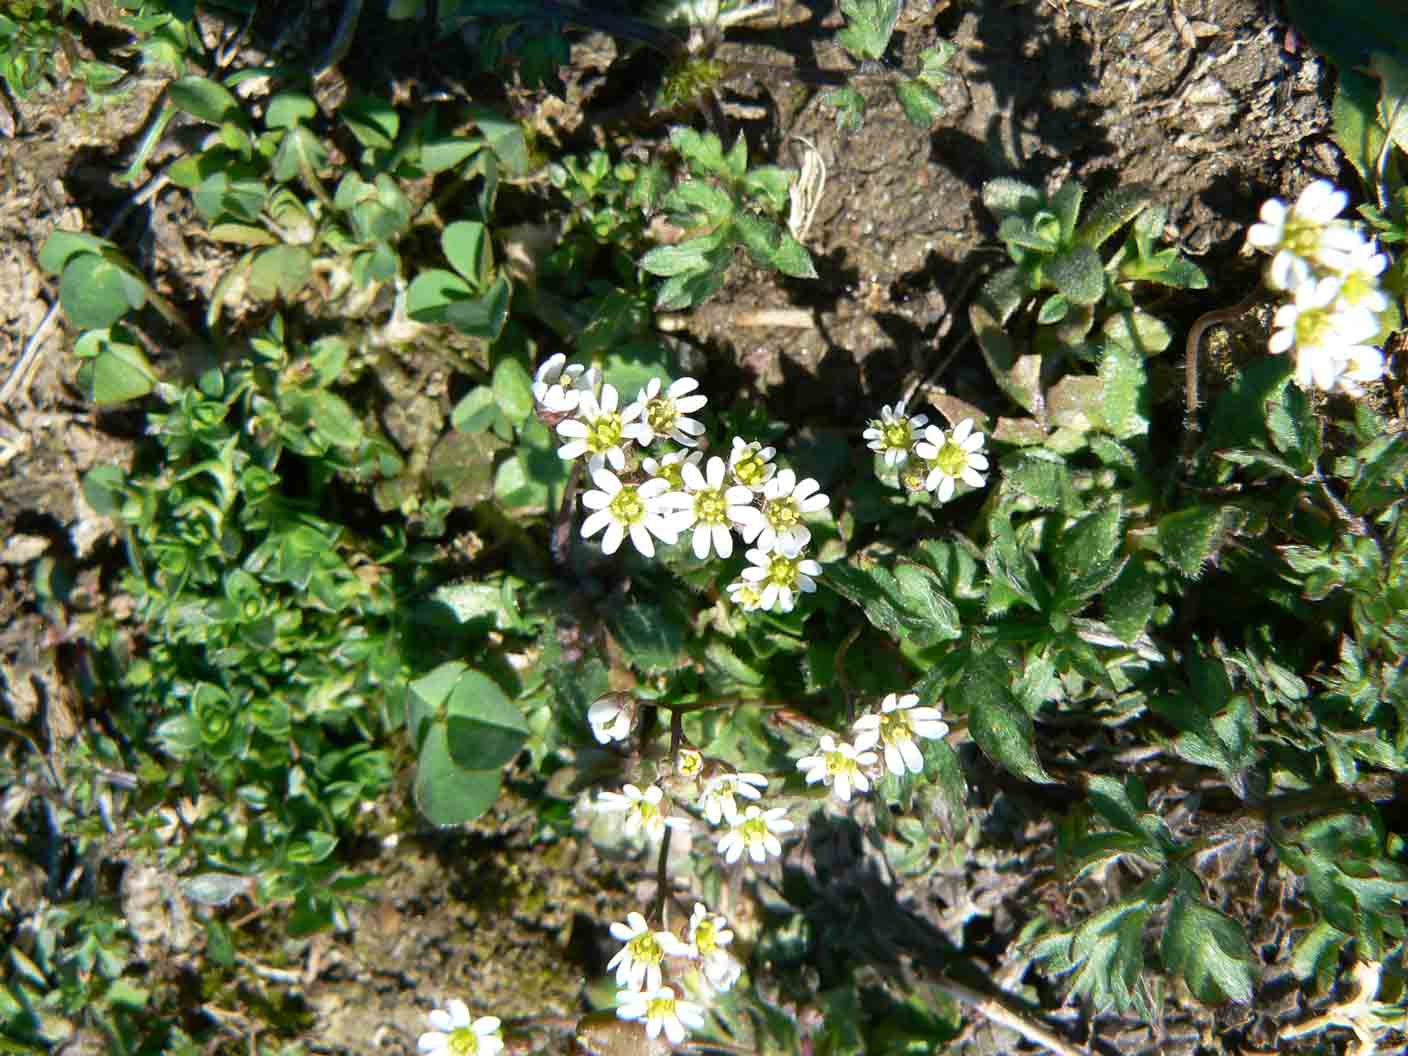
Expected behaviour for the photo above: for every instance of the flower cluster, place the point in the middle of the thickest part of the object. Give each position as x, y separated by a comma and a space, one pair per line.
645, 959
927, 458
847, 767
456, 1033
679, 493
1330, 272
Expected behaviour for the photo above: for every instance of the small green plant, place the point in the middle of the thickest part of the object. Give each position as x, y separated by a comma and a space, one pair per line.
869, 26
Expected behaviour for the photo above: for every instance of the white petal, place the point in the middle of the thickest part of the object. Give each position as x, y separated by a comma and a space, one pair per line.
642, 541
595, 523
611, 541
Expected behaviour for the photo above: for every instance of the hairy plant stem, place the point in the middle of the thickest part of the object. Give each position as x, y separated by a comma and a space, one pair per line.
657, 910
561, 536
1192, 428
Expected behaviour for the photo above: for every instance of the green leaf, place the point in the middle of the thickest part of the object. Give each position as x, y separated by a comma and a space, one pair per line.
849, 105
482, 316
373, 121
1107, 953
700, 199
115, 369
1053, 309
771, 183
1007, 197
62, 246
687, 257
431, 292
1356, 126
441, 155
1042, 477
921, 590
505, 139
1129, 602
95, 293
792, 258
1209, 950
279, 271
333, 418
921, 103
448, 794
1089, 544
203, 98
650, 636
1190, 537
484, 729
513, 390
301, 154
289, 109
1078, 274
467, 248
1111, 213
1126, 404
1138, 330
998, 723
870, 24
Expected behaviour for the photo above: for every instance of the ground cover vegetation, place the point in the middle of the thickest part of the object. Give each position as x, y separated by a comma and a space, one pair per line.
787, 680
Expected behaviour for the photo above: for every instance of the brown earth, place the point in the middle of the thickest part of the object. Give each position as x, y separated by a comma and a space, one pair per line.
1213, 103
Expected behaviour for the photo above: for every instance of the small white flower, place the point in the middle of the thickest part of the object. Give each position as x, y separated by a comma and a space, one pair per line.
665, 415
717, 798
839, 765
747, 595
456, 1033
755, 831
1359, 278
709, 507
670, 468
610, 717
779, 522
689, 763
1362, 364
894, 433
637, 510
709, 934
645, 811
751, 464
896, 726
1325, 334
662, 1010
779, 576
637, 963
1304, 236
598, 430
559, 388
959, 457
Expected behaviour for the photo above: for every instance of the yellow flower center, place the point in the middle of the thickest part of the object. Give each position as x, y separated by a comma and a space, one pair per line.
749, 596
951, 460
673, 472
627, 507
706, 939
660, 1008
1301, 237
463, 1041
1312, 327
645, 949
605, 433
754, 830
661, 415
690, 763
914, 476
782, 571
1356, 287
710, 507
750, 470
836, 763
897, 435
782, 515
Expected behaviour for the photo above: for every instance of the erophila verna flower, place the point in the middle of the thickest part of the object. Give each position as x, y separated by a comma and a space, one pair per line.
610, 717
1304, 236
751, 464
717, 798
665, 415
670, 468
638, 962
756, 832
598, 430
662, 1010
1326, 335
839, 765
896, 726
645, 811
778, 577
779, 522
957, 457
558, 387
456, 1033
689, 763
894, 433
709, 507
745, 594
708, 935
637, 510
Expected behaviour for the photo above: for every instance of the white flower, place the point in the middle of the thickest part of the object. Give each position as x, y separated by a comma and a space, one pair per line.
959, 457
746, 595
779, 522
1305, 236
893, 434
622, 509
457, 1034
610, 717
598, 430
663, 1010
709, 507
778, 577
751, 464
559, 388
1362, 363
643, 810
689, 763
839, 765
1359, 278
896, 726
717, 798
658, 415
709, 934
1326, 335
755, 831
637, 963
670, 468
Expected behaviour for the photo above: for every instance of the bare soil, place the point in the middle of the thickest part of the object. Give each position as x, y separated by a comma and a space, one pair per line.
1213, 103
